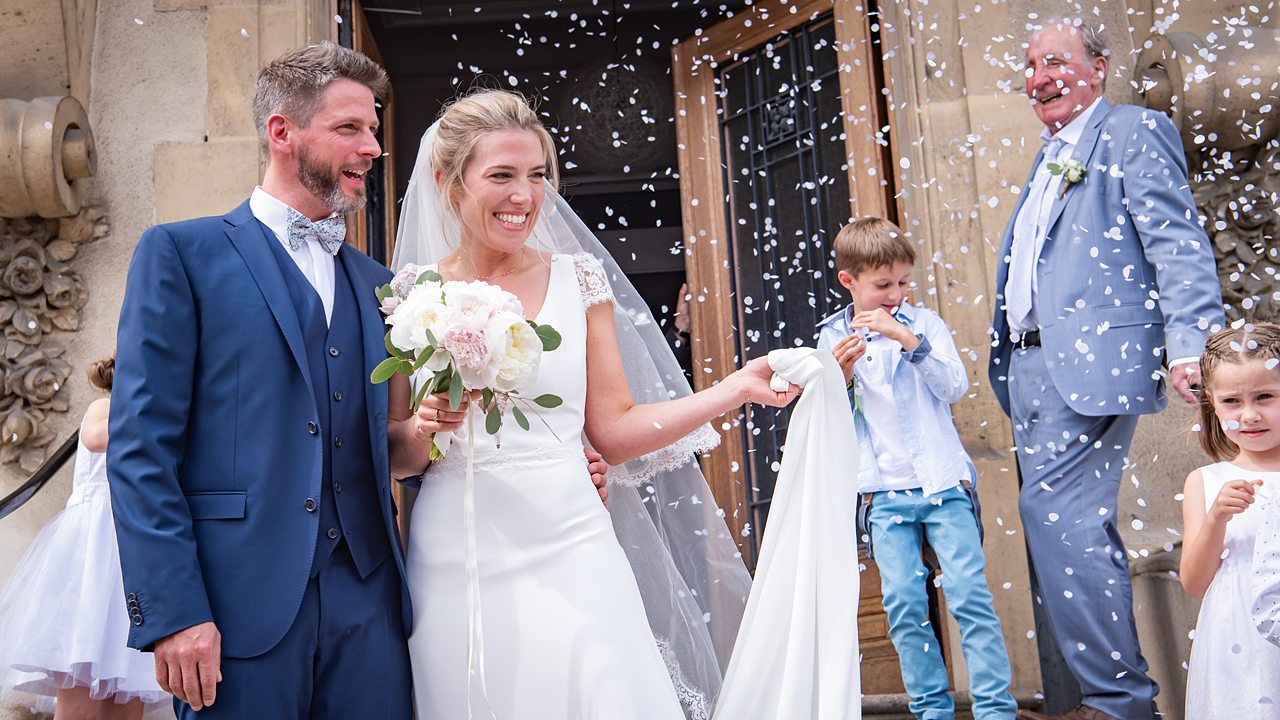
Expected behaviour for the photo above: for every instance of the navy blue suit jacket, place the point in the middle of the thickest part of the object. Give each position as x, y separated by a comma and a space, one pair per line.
212, 457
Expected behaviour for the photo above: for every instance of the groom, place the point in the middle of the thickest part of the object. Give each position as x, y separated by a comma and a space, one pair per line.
251, 459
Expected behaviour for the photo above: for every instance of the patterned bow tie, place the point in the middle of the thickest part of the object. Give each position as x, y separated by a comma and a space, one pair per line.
330, 231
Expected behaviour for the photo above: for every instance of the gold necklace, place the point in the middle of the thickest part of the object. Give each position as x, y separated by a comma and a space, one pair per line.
473, 273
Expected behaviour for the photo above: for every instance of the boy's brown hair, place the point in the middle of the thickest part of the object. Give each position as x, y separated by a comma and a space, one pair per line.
869, 243
1250, 341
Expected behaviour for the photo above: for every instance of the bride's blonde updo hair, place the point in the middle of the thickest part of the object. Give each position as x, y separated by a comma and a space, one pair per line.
465, 120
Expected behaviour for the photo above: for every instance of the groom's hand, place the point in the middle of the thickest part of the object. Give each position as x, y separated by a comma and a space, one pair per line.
598, 468
188, 664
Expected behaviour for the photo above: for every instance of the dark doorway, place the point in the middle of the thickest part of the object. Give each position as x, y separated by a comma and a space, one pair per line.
600, 74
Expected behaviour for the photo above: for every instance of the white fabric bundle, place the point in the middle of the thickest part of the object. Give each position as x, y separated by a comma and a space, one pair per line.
797, 650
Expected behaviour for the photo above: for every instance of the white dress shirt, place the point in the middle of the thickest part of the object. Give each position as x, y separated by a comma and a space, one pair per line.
313, 260
1030, 227
881, 410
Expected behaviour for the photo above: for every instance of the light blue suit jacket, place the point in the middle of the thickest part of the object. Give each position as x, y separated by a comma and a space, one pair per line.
214, 462
1126, 276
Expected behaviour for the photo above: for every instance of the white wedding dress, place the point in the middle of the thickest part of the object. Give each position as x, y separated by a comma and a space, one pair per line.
565, 634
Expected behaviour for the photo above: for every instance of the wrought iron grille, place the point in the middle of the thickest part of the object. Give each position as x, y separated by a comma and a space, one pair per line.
786, 171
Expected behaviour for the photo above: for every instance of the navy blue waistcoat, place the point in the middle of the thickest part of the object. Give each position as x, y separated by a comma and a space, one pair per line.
348, 502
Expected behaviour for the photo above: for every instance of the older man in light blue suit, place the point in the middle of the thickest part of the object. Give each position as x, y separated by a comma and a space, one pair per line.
1105, 274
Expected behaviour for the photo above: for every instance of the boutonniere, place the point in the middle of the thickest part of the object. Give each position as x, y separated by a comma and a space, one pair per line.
1072, 172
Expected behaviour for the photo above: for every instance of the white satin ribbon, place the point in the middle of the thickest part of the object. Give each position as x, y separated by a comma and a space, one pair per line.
475, 628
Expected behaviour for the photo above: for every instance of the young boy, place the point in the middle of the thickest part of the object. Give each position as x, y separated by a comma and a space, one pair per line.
915, 477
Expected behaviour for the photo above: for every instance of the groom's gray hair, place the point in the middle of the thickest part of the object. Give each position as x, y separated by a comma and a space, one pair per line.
292, 84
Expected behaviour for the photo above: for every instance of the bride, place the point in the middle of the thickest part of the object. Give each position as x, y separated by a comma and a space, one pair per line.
628, 612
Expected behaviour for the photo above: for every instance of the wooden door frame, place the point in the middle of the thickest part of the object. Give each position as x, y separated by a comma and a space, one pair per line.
708, 262
357, 224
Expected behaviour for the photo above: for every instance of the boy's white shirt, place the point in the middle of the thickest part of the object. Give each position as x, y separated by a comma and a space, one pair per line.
874, 371
938, 379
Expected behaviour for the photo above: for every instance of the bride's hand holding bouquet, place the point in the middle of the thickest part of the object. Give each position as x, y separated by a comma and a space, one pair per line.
464, 341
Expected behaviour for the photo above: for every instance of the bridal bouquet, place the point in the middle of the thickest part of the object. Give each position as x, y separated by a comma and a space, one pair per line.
460, 337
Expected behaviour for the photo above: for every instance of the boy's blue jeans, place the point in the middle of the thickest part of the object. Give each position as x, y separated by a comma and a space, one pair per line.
900, 521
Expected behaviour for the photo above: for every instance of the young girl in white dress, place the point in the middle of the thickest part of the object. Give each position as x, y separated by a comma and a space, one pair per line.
1234, 673
63, 622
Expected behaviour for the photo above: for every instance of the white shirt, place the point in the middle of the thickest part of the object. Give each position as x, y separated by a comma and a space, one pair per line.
875, 385
312, 259
1030, 225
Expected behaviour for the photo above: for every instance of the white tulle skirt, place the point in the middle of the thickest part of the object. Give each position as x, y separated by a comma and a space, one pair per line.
63, 621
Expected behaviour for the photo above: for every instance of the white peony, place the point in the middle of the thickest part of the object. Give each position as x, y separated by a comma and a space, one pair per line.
516, 348
420, 311
479, 299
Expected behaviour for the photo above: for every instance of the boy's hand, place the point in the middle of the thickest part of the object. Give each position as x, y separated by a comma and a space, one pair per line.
887, 325
1234, 498
847, 352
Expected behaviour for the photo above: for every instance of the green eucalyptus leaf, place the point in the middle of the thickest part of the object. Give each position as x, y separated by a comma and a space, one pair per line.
521, 420
418, 396
486, 397
440, 382
548, 400
385, 370
428, 276
455, 391
383, 292
391, 348
493, 420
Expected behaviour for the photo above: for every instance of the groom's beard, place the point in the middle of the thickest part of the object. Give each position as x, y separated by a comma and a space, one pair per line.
326, 184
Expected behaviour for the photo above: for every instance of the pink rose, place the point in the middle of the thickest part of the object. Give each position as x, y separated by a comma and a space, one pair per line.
389, 304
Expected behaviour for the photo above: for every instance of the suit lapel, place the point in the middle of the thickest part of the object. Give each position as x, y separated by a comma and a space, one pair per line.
371, 333
250, 241
1082, 152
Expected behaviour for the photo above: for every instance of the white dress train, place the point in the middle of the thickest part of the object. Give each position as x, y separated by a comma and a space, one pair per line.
797, 650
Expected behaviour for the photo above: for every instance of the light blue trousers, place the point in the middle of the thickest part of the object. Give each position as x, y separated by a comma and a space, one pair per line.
1071, 468
900, 522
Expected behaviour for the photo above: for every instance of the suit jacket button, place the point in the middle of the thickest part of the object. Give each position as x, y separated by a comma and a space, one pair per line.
312, 427
310, 505
137, 620
337, 442
333, 533
333, 351
337, 395
132, 597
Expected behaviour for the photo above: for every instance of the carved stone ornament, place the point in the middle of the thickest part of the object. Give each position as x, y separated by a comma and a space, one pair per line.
1221, 91
46, 149
41, 295
618, 117
1242, 218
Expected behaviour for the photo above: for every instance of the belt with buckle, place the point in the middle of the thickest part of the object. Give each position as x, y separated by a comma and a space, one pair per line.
1028, 339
